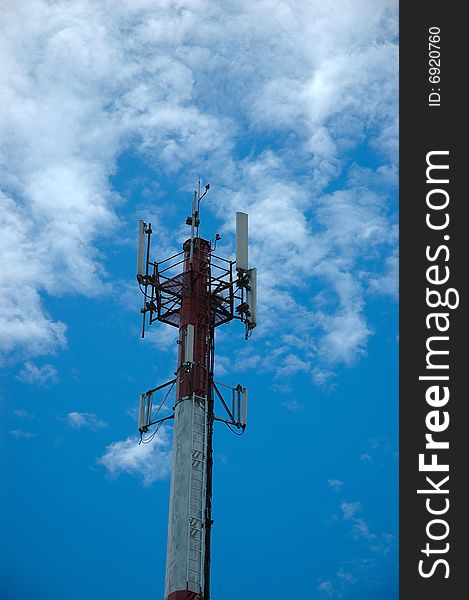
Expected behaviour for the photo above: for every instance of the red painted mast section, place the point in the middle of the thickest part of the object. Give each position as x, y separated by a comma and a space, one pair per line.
195, 310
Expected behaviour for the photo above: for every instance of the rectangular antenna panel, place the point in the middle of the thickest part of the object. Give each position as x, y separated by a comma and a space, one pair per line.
145, 410
141, 412
244, 409
189, 344
251, 298
141, 249
241, 241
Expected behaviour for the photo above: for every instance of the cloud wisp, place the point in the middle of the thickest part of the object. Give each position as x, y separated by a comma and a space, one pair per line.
373, 548
335, 484
33, 375
84, 420
150, 461
19, 434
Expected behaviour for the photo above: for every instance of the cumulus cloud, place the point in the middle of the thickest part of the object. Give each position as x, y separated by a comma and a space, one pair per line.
150, 461
34, 375
184, 85
78, 420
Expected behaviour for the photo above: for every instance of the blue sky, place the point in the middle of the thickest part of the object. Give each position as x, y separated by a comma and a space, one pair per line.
110, 113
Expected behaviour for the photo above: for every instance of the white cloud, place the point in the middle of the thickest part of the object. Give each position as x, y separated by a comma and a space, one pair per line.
84, 420
347, 578
326, 587
380, 543
387, 282
345, 337
361, 529
223, 365
23, 414
182, 84
349, 509
323, 377
32, 374
335, 484
356, 571
20, 434
163, 338
292, 364
359, 570
382, 444
24, 324
150, 461
339, 585
293, 406
380, 450
377, 543
282, 388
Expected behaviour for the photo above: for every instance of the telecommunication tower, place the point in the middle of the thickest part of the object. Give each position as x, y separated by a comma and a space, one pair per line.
195, 291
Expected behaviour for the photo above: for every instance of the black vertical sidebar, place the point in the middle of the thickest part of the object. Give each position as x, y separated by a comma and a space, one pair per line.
434, 357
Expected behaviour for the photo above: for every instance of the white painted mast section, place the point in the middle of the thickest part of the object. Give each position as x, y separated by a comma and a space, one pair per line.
185, 552
197, 497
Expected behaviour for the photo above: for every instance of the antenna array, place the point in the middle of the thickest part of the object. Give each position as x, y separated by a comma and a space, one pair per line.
206, 291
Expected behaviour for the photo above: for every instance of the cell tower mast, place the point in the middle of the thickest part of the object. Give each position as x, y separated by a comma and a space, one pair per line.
195, 291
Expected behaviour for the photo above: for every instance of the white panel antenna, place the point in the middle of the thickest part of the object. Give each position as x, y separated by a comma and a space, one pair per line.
141, 249
144, 413
241, 241
189, 344
251, 298
141, 413
244, 409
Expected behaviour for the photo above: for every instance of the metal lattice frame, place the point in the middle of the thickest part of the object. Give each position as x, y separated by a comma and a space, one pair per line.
164, 303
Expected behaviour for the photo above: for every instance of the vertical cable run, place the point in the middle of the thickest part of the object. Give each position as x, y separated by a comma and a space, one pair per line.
209, 480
